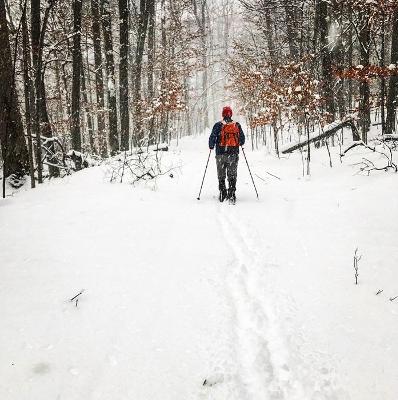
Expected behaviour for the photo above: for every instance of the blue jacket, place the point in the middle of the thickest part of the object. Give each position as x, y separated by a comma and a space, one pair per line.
214, 140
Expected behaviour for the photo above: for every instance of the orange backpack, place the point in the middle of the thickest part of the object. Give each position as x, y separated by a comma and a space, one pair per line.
229, 135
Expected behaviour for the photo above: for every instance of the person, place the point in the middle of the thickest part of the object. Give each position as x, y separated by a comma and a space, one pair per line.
226, 136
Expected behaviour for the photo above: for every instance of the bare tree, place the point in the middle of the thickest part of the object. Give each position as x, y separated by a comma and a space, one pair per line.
392, 87
99, 79
327, 76
123, 73
106, 21
291, 28
364, 89
76, 77
151, 62
145, 10
13, 145
28, 92
41, 122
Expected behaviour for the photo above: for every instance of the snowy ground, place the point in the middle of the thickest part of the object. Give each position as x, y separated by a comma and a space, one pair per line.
255, 300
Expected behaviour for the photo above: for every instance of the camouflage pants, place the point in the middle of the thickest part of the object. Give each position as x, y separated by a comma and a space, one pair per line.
227, 166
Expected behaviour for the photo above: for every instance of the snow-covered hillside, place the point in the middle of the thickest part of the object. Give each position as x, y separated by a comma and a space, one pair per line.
187, 299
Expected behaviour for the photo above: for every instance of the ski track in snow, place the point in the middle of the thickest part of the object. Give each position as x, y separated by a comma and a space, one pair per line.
261, 370
259, 364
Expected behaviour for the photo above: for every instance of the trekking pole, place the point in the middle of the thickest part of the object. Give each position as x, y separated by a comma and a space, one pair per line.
200, 191
243, 150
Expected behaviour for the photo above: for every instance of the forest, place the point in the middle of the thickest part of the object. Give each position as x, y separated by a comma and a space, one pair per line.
100, 77
278, 281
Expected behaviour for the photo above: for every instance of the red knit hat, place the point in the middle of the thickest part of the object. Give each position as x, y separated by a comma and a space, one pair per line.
227, 112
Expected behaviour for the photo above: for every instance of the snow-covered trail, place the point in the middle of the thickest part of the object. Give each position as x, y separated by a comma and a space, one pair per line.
148, 303
256, 300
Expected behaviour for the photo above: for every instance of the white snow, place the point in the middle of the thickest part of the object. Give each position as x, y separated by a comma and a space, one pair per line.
187, 299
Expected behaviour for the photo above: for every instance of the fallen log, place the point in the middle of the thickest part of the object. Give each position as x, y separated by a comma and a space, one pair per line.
389, 138
329, 131
162, 147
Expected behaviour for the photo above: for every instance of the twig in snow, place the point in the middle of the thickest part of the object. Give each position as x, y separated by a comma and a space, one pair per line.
277, 177
355, 144
356, 266
259, 177
75, 297
393, 298
141, 165
366, 165
379, 291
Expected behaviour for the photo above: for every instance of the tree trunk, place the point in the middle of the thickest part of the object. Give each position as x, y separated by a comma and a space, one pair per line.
59, 95
326, 59
123, 74
45, 120
28, 94
151, 48
316, 26
46, 130
393, 83
337, 55
99, 79
35, 38
151, 64
145, 5
204, 61
201, 20
382, 80
323, 135
364, 90
110, 73
163, 120
12, 140
291, 28
41, 122
268, 32
90, 123
350, 56
76, 78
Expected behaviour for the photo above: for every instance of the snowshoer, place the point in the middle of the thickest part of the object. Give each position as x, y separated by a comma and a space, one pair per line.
227, 135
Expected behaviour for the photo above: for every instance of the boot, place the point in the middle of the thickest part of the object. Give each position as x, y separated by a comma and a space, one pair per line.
223, 191
232, 190
231, 195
